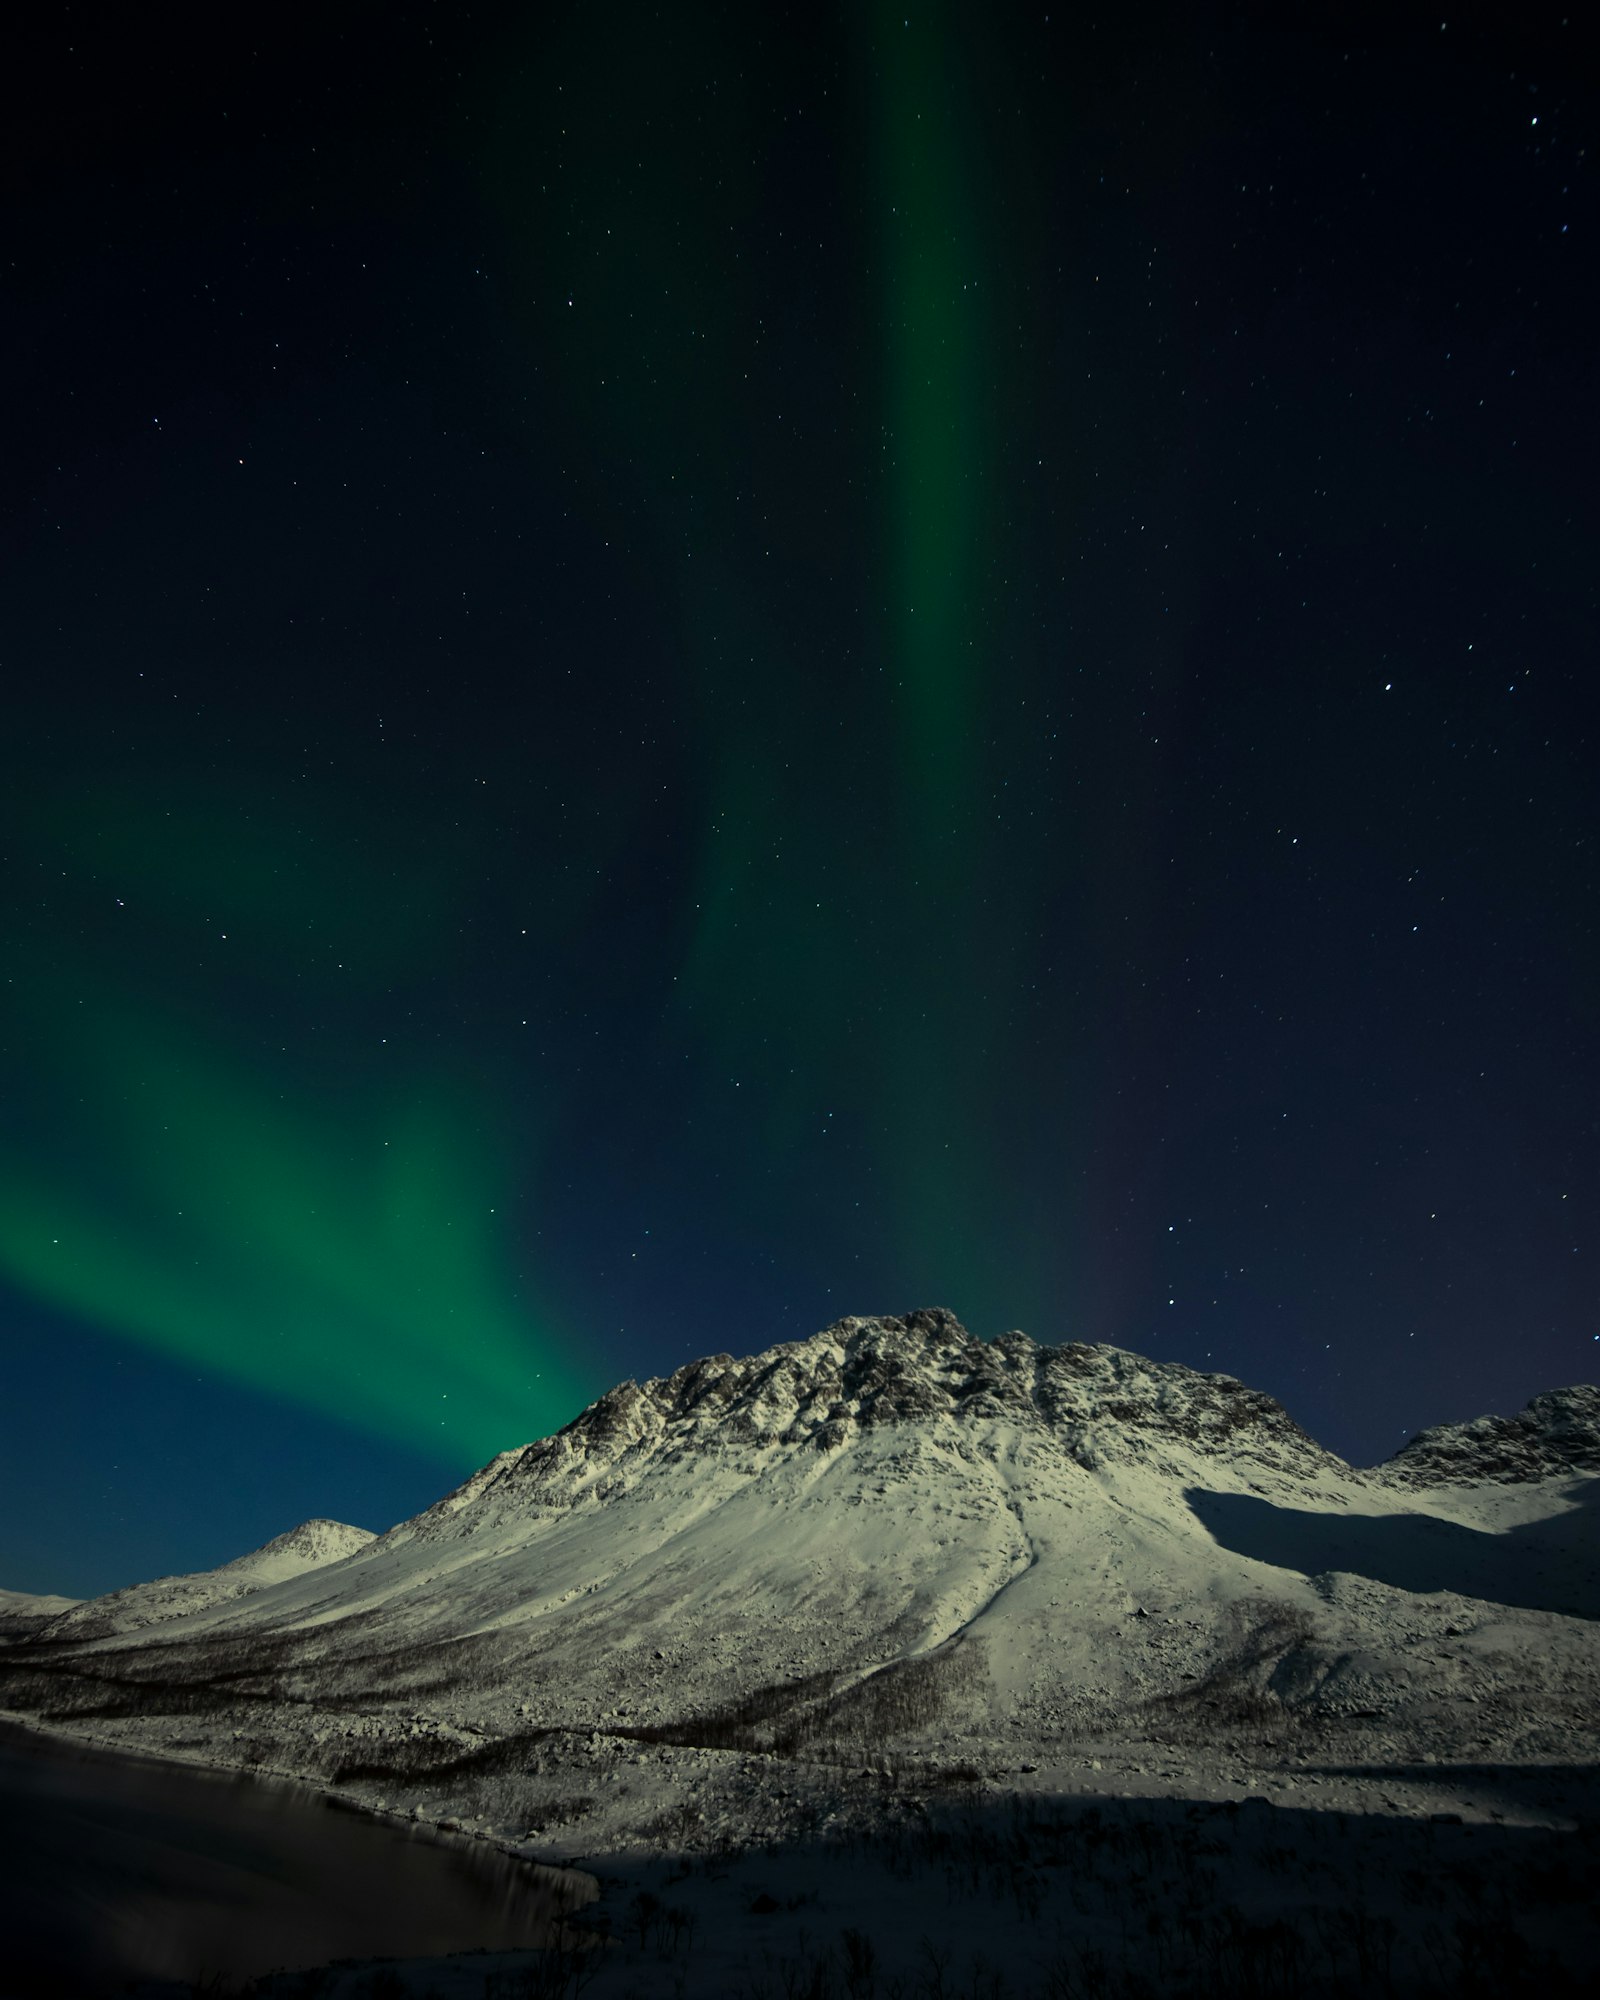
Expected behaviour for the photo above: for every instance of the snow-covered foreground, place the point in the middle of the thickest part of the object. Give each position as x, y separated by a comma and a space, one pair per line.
816, 1595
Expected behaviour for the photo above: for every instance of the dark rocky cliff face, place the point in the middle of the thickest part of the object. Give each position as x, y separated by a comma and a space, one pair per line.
1557, 1433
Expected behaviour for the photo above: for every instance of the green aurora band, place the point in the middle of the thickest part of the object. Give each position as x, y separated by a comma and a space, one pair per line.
324, 1230
932, 317
931, 310
221, 1162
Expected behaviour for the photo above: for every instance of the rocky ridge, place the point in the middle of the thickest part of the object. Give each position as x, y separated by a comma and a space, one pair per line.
1558, 1432
1097, 1403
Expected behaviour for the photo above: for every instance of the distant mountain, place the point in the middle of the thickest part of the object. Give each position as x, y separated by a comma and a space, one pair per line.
1557, 1433
28, 1604
312, 1545
896, 1539
22, 1612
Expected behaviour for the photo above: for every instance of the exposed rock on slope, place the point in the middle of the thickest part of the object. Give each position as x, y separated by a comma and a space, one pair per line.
1557, 1433
312, 1545
1098, 1404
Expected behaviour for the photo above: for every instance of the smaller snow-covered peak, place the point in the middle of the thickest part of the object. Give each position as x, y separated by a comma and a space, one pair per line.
31, 1603
1558, 1432
25, 1612
309, 1546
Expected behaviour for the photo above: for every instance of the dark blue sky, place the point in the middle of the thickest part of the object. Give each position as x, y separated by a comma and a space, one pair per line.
670, 675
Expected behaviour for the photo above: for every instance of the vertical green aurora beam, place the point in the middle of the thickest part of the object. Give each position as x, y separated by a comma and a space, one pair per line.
932, 305
822, 514
934, 395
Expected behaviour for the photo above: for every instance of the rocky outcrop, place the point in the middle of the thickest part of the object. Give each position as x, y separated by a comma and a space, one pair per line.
1098, 1404
1557, 1433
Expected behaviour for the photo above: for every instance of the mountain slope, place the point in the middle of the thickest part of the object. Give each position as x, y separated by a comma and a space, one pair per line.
24, 1613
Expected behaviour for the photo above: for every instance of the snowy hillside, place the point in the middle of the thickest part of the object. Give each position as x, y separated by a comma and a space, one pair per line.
310, 1546
895, 1548
23, 1613
30, 1604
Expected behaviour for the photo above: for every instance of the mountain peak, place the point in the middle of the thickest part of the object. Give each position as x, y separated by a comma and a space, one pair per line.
1095, 1404
1558, 1432
309, 1546
314, 1542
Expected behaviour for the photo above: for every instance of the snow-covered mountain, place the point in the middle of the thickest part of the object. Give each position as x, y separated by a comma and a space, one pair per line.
1558, 1433
894, 1539
24, 1613
31, 1604
312, 1545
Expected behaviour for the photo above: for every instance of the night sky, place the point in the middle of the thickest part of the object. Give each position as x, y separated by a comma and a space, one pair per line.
672, 671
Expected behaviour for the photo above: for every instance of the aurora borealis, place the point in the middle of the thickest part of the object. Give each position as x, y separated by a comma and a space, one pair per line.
671, 674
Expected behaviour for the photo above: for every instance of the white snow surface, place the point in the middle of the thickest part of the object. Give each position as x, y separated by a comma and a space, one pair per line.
25, 1613
32, 1604
896, 1549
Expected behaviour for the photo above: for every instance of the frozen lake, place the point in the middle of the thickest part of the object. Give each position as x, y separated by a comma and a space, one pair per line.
113, 1868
